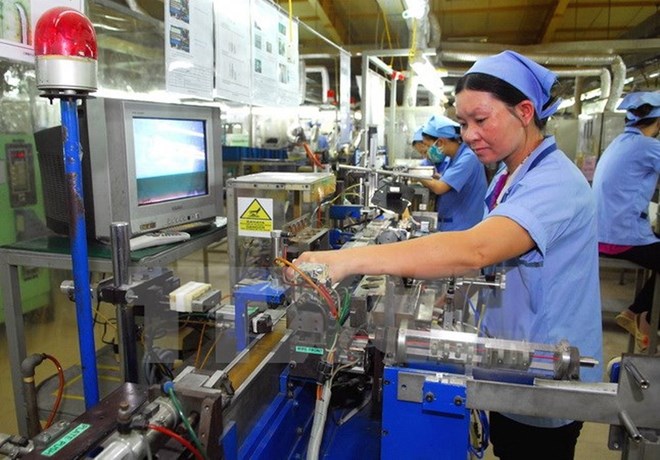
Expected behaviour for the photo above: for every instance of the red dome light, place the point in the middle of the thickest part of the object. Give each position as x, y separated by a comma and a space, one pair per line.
66, 53
64, 32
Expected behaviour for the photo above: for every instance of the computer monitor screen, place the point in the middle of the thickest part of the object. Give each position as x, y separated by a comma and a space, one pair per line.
153, 165
170, 159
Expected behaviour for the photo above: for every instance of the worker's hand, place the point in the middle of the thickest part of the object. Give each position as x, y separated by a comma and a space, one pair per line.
338, 267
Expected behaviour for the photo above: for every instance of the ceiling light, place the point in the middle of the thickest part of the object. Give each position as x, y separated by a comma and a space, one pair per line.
427, 73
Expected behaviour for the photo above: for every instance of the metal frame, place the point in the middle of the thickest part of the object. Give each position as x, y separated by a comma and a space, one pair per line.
12, 259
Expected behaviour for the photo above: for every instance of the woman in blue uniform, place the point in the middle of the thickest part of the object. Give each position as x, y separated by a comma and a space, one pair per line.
418, 144
461, 186
541, 232
624, 182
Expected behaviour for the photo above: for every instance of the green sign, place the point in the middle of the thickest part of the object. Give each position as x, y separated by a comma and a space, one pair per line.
64, 440
310, 350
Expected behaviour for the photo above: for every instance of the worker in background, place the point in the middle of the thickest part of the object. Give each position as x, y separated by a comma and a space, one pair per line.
419, 145
540, 232
624, 183
461, 185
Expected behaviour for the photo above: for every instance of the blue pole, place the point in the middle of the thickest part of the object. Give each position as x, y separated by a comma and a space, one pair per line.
78, 237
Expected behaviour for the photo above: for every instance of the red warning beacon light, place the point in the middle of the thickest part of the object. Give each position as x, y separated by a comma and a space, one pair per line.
66, 55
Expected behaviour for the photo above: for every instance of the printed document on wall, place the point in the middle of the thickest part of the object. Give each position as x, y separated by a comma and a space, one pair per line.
275, 59
189, 47
232, 50
18, 18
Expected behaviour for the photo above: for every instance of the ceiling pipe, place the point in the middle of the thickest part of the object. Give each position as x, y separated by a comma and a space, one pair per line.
603, 73
614, 61
577, 96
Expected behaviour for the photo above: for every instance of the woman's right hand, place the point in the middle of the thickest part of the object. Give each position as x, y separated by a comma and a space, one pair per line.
336, 262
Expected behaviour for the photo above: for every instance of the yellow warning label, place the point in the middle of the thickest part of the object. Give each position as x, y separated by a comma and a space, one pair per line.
255, 211
255, 220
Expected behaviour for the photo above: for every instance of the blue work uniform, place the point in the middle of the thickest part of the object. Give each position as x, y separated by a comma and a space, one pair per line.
624, 183
552, 291
462, 207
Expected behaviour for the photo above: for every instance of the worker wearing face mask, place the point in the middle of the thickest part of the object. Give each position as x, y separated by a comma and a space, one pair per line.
460, 185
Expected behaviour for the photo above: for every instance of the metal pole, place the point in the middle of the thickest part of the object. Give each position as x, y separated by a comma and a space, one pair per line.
120, 233
79, 258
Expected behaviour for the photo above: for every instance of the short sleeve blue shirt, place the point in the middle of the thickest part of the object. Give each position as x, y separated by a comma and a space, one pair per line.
462, 207
552, 292
624, 182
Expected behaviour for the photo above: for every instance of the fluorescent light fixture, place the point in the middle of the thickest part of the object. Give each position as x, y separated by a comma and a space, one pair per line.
428, 75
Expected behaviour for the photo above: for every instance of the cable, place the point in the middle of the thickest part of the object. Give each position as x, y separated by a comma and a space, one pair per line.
184, 419
60, 389
319, 288
184, 442
199, 345
208, 353
315, 161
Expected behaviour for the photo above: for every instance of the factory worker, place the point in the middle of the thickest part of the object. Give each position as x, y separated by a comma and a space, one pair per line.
624, 182
418, 144
540, 232
461, 186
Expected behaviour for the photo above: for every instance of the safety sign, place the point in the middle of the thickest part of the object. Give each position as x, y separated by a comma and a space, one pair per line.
255, 217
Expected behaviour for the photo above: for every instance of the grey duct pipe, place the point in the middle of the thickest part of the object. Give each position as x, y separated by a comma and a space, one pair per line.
614, 61
28, 366
618, 81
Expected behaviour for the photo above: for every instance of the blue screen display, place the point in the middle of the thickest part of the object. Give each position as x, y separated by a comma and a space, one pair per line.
170, 159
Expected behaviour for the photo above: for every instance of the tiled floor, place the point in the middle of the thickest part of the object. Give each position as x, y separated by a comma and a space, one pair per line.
57, 336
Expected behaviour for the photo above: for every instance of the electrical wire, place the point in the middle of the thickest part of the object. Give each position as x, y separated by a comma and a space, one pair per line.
210, 350
308, 151
199, 345
319, 288
60, 388
184, 419
181, 440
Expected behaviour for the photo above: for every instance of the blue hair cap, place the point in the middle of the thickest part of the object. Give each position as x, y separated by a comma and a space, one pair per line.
441, 126
636, 100
417, 137
528, 77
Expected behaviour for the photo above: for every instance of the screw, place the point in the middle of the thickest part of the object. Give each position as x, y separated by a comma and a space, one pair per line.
430, 397
458, 401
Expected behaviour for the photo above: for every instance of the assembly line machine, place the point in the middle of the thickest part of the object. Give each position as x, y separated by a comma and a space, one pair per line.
372, 367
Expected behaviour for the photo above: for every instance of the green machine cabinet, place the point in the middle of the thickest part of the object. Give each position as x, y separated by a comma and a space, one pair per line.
22, 211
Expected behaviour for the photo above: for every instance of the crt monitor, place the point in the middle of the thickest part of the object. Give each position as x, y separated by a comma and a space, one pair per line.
153, 165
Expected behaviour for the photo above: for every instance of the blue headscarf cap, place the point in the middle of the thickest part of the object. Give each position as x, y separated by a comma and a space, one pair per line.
441, 126
636, 100
528, 77
417, 137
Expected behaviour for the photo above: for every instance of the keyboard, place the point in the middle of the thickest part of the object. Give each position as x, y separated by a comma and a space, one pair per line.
149, 240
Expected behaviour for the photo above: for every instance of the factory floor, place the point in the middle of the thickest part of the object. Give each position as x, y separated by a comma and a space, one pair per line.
53, 331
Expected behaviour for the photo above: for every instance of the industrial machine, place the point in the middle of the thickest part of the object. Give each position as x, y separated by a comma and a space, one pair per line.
23, 212
372, 367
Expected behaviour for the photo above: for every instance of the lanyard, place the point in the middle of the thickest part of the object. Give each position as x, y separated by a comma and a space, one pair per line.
491, 199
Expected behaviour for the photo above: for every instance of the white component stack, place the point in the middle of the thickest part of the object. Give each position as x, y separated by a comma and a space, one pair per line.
181, 299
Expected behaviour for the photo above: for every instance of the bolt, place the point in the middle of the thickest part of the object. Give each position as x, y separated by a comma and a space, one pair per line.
458, 401
430, 397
